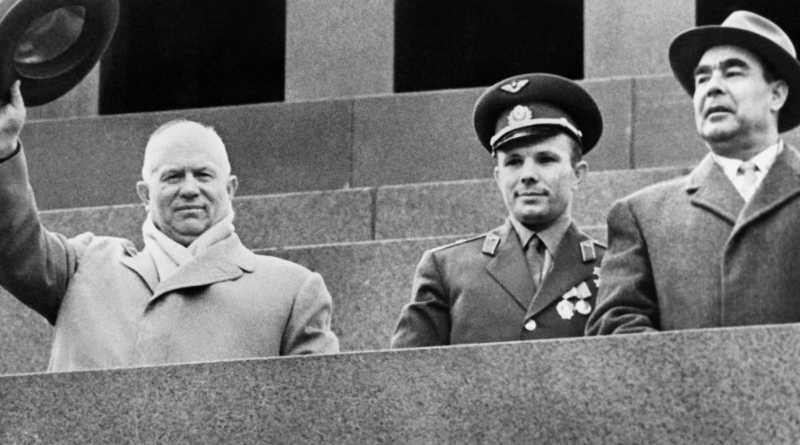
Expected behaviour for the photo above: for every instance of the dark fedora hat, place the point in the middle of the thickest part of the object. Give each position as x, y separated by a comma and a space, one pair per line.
51, 45
749, 31
509, 109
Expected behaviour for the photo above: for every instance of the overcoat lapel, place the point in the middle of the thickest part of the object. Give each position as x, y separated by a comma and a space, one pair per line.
781, 184
142, 263
713, 191
568, 270
226, 260
509, 268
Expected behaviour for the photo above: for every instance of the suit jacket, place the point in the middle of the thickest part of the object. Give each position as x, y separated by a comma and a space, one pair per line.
110, 310
480, 290
689, 253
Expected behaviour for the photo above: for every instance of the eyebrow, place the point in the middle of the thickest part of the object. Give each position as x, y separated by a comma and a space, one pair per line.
724, 65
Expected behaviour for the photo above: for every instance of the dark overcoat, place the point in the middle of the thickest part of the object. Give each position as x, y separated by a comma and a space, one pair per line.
688, 253
480, 290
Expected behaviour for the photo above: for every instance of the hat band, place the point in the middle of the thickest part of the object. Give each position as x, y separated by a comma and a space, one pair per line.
560, 122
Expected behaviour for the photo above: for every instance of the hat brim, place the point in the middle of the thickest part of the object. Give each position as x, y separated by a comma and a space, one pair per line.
547, 88
688, 48
47, 81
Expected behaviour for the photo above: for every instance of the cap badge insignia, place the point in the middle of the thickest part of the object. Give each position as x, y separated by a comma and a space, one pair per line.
519, 114
514, 86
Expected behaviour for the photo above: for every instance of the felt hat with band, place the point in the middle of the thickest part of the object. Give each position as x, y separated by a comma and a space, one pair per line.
749, 31
51, 45
511, 108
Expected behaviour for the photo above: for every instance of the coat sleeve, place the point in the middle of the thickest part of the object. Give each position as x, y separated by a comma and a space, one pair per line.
425, 321
627, 300
36, 265
309, 328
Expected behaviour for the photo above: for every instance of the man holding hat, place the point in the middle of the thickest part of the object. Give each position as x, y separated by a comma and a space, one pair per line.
718, 247
534, 277
194, 293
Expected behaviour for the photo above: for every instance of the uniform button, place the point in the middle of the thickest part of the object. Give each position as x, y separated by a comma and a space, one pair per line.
530, 325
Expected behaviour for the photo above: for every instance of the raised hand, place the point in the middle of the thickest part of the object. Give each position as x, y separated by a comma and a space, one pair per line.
12, 118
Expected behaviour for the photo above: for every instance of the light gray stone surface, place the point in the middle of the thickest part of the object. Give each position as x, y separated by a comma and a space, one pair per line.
476, 206
261, 221
631, 38
665, 131
273, 148
715, 386
339, 48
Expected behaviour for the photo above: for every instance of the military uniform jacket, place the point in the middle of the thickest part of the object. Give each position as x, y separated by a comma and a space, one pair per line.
480, 290
110, 310
688, 253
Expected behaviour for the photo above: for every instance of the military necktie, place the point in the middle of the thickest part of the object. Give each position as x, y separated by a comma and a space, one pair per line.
534, 254
747, 179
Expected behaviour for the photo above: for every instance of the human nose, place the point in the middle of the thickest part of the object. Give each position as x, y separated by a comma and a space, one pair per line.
529, 171
713, 85
190, 187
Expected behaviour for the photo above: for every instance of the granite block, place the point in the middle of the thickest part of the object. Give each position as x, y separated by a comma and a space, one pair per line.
419, 137
614, 97
625, 38
261, 221
338, 48
273, 148
369, 283
462, 207
429, 137
25, 338
664, 130
711, 386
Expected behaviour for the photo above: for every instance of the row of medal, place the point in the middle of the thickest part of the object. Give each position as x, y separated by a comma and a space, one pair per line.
566, 309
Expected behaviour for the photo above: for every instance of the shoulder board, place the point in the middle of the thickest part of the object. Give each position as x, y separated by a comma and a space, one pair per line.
459, 242
588, 251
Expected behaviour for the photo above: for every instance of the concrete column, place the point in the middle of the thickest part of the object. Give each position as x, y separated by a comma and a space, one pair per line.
339, 48
631, 38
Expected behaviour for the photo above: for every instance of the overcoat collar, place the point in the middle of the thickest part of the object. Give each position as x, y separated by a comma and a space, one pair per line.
711, 189
508, 266
226, 260
569, 269
781, 184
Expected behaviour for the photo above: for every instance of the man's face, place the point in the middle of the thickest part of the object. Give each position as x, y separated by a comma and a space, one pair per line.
537, 180
732, 101
189, 187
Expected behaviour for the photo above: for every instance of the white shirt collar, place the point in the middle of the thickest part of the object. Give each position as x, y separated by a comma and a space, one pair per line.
763, 161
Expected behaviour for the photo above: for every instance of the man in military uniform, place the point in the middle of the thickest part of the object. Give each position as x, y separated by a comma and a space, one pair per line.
718, 247
534, 277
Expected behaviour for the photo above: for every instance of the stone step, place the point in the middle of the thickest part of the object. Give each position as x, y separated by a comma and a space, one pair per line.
364, 214
735, 385
333, 144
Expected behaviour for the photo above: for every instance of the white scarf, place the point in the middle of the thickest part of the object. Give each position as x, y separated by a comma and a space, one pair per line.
169, 255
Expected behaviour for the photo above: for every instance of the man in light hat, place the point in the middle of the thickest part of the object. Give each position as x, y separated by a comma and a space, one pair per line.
718, 247
535, 276
195, 293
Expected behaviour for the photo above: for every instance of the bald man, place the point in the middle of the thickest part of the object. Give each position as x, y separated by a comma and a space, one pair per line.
194, 293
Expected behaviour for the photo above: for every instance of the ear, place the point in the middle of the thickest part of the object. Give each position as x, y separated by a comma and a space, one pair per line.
143, 190
581, 169
497, 175
233, 184
780, 91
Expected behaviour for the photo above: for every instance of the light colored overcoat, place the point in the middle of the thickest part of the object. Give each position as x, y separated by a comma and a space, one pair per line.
110, 310
688, 253
480, 290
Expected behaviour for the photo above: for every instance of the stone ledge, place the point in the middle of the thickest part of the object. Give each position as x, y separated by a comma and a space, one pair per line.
714, 386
